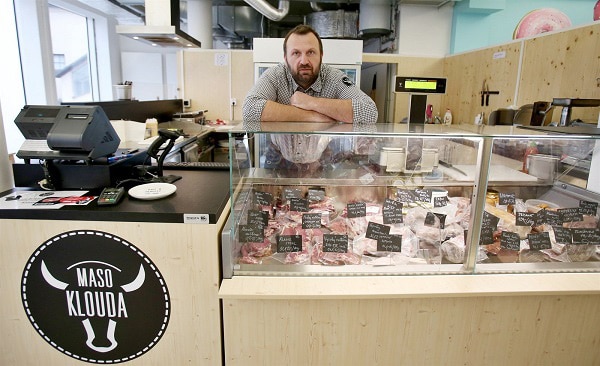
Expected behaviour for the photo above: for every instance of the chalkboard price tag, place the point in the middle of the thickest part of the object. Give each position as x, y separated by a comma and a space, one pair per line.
356, 209
489, 221
525, 219
311, 220
289, 243
539, 241
510, 241
586, 236
563, 235
289, 193
406, 195
506, 199
316, 195
298, 204
333, 243
588, 208
263, 198
374, 230
392, 212
552, 218
251, 234
389, 243
258, 218
431, 219
440, 201
486, 236
423, 195
572, 214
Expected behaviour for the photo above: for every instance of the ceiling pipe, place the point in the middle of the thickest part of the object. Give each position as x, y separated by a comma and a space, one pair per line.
315, 6
266, 9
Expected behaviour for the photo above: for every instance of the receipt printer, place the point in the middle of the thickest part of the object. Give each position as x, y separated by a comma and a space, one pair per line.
71, 132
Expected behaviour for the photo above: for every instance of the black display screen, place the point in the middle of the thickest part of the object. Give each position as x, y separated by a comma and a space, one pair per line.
42, 112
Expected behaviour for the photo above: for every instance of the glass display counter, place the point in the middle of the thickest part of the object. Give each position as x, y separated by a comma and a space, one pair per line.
391, 199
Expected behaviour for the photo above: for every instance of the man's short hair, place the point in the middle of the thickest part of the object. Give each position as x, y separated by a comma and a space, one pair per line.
302, 29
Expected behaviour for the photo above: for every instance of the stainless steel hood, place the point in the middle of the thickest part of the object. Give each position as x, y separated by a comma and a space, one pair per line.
162, 27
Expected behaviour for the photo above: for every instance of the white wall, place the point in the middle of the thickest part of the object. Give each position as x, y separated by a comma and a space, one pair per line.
6, 178
424, 30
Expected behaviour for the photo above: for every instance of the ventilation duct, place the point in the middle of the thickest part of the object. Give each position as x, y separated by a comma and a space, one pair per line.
375, 18
162, 26
266, 9
334, 23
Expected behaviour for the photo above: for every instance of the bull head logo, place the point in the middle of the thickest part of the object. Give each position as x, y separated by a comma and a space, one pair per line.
97, 301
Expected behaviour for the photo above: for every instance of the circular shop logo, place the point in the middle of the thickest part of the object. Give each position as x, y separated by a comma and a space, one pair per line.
95, 297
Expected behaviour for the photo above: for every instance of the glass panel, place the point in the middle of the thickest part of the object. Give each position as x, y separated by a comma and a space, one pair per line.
71, 55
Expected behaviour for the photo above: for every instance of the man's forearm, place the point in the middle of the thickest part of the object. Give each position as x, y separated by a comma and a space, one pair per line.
337, 109
276, 112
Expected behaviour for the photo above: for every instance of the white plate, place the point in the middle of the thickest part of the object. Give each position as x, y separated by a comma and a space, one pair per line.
152, 191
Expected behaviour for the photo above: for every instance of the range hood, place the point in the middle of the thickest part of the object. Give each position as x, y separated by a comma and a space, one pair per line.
162, 26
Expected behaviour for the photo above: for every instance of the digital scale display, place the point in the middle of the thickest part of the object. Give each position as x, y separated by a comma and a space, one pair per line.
407, 84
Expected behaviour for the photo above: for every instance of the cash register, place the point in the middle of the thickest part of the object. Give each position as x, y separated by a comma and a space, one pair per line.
74, 145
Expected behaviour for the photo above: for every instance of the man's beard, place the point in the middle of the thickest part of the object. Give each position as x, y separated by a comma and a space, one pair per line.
304, 79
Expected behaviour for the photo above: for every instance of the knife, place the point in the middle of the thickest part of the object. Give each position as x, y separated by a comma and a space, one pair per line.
448, 165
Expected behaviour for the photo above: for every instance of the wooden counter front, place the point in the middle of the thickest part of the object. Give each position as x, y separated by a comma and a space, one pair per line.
187, 256
504, 319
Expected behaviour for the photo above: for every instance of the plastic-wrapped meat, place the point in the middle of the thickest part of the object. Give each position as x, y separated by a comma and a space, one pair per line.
532, 256
569, 252
318, 256
252, 252
358, 225
589, 222
410, 243
508, 221
463, 211
454, 249
338, 226
297, 257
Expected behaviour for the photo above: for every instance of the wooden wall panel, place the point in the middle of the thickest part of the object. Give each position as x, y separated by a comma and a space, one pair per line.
511, 330
562, 65
211, 86
466, 74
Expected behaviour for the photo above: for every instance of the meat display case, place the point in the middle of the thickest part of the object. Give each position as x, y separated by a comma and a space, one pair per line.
391, 199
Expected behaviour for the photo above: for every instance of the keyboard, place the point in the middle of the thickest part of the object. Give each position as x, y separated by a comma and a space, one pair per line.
196, 165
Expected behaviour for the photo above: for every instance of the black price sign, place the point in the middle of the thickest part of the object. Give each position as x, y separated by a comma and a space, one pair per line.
489, 221
311, 221
562, 235
510, 241
440, 201
333, 243
289, 193
258, 218
316, 195
389, 243
289, 243
570, 214
506, 199
251, 234
356, 209
298, 204
263, 198
588, 208
405, 195
486, 236
586, 236
392, 212
423, 195
432, 218
539, 241
552, 218
526, 219
374, 230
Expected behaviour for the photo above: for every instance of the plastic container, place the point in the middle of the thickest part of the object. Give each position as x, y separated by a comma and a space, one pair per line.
448, 117
151, 127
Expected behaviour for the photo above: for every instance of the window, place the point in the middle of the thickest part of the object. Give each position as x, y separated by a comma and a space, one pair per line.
71, 48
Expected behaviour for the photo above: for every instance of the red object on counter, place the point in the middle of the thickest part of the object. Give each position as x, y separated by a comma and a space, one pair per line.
530, 150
